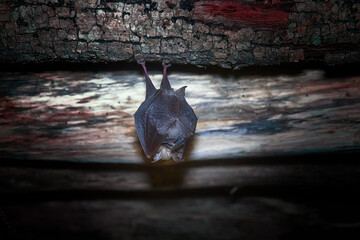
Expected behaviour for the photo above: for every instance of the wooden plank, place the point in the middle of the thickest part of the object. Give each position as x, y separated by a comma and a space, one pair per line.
168, 219
336, 176
190, 218
87, 116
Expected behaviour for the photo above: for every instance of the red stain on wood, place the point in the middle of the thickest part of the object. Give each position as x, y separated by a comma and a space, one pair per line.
10, 112
68, 116
88, 99
235, 12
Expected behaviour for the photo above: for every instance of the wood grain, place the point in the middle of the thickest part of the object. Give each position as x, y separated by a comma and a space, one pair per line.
87, 116
176, 219
18, 180
273, 157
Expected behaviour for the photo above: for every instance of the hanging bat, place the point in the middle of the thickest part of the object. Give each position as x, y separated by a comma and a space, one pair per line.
165, 122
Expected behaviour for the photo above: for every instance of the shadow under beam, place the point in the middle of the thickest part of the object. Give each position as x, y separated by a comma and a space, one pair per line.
338, 157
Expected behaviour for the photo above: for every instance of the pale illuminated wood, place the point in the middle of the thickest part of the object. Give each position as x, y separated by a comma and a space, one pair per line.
87, 116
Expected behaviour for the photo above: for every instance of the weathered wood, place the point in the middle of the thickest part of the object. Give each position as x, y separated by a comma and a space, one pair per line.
103, 188
189, 218
304, 197
179, 177
225, 33
87, 116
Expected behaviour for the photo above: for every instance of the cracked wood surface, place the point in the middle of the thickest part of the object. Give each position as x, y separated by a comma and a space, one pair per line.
229, 34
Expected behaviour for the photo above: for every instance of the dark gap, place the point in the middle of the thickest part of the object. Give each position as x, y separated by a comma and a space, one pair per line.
308, 159
291, 69
312, 195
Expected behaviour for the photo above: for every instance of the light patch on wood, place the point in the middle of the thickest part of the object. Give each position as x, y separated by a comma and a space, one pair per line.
87, 116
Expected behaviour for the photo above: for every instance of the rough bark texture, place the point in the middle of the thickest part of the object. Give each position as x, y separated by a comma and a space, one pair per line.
229, 34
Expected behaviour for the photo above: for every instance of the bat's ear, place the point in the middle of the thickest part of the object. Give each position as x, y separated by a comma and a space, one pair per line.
181, 91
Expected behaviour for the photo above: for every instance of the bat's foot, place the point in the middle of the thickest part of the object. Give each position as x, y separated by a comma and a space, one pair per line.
165, 67
141, 62
166, 64
141, 59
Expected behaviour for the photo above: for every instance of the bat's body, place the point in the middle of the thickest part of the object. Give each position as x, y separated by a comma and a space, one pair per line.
165, 122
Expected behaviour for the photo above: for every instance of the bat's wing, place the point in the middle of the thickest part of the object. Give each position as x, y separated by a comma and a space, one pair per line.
186, 122
153, 119
140, 120
186, 115
152, 137
180, 145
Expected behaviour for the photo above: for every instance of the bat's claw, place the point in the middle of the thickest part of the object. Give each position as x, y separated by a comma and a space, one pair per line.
141, 62
141, 59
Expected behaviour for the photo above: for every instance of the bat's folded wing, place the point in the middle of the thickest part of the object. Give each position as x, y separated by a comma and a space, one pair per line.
187, 116
153, 119
140, 117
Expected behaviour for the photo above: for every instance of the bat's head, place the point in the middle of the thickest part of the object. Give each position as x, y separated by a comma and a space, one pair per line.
165, 153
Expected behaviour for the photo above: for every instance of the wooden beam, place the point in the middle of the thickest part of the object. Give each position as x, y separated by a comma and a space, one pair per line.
87, 116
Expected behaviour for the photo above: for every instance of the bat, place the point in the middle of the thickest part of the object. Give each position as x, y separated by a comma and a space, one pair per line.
165, 122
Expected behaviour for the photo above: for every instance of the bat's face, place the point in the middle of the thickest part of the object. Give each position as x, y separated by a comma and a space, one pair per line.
165, 122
